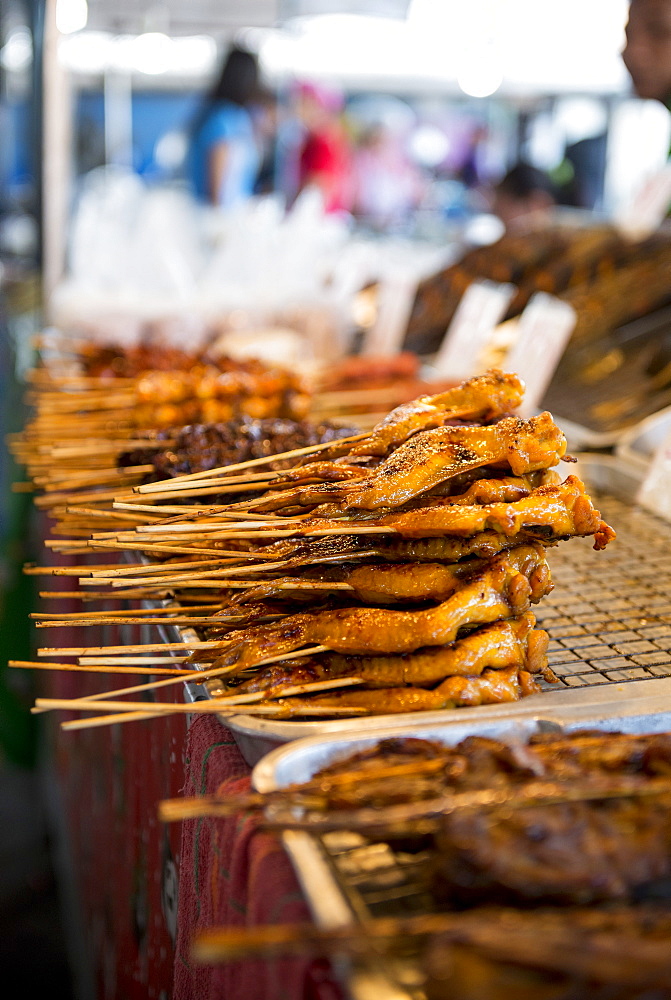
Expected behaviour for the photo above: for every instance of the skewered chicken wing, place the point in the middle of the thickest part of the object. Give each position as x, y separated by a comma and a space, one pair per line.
490, 687
482, 398
431, 457
511, 643
503, 589
566, 509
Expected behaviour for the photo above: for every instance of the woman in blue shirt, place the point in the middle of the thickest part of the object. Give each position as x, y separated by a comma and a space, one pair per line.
224, 157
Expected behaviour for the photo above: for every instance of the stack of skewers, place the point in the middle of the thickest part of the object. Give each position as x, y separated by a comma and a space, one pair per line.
540, 868
401, 566
93, 405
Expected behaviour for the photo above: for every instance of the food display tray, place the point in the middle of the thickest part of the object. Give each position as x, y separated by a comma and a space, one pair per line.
347, 878
608, 617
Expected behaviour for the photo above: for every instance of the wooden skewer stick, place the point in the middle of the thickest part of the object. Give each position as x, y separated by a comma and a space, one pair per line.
152, 647
132, 594
116, 613
155, 547
113, 447
198, 676
34, 665
178, 512
173, 577
227, 944
166, 510
51, 499
205, 526
210, 488
107, 720
113, 515
212, 707
218, 584
176, 484
64, 570
183, 620
110, 661
287, 692
123, 571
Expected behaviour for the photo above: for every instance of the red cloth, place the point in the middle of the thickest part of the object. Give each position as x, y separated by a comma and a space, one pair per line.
232, 874
326, 161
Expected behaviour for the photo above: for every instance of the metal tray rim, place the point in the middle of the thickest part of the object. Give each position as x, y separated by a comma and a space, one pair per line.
648, 704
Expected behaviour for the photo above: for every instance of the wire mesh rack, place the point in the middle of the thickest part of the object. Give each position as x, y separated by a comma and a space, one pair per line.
609, 615
379, 880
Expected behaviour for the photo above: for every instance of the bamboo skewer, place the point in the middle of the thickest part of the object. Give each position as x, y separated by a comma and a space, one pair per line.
123, 571
251, 463
139, 648
79, 615
140, 546
178, 577
132, 594
59, 623
30, 570
213, 706
424, 813
199, 675
34, 665
106, 720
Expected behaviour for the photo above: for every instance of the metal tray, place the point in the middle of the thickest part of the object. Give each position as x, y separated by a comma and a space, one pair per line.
609, 620
346, 878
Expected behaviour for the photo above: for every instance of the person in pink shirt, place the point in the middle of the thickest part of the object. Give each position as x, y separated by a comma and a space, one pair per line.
325, 154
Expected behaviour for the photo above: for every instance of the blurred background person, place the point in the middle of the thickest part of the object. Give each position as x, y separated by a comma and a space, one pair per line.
224, 157
524, 196
387, 186
324, 158
647, 49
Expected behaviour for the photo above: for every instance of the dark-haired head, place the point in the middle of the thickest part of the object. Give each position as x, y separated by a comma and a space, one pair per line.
523, 180
238, 81
522, 193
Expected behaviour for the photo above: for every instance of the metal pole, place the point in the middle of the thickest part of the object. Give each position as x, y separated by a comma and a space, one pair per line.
56, 156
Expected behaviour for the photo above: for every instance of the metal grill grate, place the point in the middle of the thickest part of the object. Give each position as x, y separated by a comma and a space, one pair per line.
379, 881
609, 616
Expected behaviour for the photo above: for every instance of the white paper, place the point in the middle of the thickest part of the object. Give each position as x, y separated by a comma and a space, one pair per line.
655, 490
649, 208
543, 331
395, 300
481, 308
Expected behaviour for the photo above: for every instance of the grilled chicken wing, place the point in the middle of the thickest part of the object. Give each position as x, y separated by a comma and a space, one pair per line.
490, 687
484, 397
511, 643
503, 589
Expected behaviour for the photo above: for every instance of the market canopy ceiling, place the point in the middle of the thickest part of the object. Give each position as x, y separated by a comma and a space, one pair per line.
479, 47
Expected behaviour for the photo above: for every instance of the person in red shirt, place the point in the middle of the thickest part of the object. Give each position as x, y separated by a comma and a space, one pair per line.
325, 155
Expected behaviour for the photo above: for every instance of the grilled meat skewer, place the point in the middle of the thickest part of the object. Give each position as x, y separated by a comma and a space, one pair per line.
503, 589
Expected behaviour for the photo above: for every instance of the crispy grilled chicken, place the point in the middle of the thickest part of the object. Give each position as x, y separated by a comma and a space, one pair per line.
511, 643
482, 398
555, 511
490, 687
503, 589
431, 457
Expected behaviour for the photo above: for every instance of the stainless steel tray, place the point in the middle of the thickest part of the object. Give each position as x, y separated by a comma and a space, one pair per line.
346, 878
609, 620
